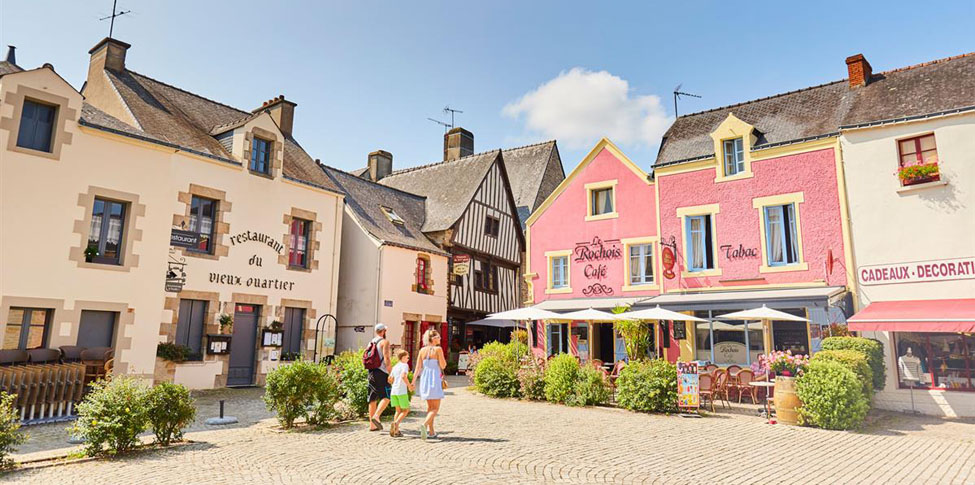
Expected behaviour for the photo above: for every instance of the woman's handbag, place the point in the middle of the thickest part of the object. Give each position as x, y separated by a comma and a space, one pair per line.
443, 382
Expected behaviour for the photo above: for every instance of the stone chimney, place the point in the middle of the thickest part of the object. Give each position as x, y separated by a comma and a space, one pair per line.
282, 111
457, 143
380, 165
107, 54
11, 55
859, 69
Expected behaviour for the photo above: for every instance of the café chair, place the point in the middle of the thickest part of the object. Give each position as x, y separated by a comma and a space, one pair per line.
743, 386
71, 353
13, 357
720, 388
705, 389
44, 356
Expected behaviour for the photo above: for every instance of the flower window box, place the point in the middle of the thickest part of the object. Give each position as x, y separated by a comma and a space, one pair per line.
919, 174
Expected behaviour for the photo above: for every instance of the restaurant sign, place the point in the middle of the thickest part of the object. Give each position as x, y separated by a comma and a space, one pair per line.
594, 254
184, 239
462, 264
917, 272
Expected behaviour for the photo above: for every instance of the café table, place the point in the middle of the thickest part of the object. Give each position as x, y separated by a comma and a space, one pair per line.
767, 385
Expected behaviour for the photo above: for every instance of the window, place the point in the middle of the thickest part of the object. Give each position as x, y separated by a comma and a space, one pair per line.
105, 237
928, 360
601, 201
260, 155
203, 215
27, 328
485, 276
492, 226
558, 338
700, 250
560, 272
422, 275
294, 327
36, 126
392, 215
298, 251
641, 264
919, 150
189, 326
734, 157
780, 235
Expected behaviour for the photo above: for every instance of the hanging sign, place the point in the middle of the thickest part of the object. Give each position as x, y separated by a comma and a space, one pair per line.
184, 239
462, 264
680, 330
667, 257
175, 272
688, 386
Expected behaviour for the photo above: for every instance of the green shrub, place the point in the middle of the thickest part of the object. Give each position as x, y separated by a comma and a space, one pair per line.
873, 349
327, 394
592, 387
173, 352
531, 380
561, 375
170, 409
520, 335
510, 353
353, 381
635, 333
290, 391
832, 396
112, 415
10, 437
854, 360
648, 386
496, 377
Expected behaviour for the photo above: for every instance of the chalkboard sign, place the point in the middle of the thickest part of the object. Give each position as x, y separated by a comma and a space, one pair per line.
680, 330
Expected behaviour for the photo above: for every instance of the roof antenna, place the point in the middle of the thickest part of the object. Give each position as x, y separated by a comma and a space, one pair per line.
115, 13
448, 109
446, 126
677, 94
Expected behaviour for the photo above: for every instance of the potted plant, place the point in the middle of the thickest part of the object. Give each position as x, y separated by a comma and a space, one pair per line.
786, 368
919, 174
90, 253
276, 326
226, 323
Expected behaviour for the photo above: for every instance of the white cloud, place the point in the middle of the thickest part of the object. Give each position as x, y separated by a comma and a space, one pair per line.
579, 106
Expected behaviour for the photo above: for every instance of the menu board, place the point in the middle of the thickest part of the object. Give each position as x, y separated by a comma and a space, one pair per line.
688, 390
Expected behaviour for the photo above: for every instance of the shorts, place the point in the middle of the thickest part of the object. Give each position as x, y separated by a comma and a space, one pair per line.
401, 401
378, 385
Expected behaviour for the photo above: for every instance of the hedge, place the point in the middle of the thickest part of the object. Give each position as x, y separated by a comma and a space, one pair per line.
853, 360
832, 396
873, 349
648, 386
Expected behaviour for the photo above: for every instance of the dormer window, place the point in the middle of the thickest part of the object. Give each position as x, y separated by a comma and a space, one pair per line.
734, 157
36, 126
392, 216
260, 156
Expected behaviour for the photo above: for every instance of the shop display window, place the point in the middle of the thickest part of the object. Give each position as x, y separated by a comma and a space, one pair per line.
935, 360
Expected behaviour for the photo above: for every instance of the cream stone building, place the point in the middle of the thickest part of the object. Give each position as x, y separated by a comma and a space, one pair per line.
135, 213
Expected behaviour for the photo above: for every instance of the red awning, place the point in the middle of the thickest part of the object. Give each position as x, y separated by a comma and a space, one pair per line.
916, 316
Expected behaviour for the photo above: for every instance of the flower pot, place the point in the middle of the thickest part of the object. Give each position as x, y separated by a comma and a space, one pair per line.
786, 400
922, 180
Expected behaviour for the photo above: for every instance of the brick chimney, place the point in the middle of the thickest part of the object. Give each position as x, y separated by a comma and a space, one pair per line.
11, 55
859, 69
282, 111
380, 165
457, 143
107, 54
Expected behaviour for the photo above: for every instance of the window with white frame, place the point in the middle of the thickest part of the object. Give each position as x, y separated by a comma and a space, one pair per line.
601, 201
734, 157
641, 264
781, 241
700, 250
560, 272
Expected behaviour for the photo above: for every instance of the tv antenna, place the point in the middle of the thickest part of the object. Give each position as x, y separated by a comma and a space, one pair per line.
115, 13
447, 109
677, 94
446, 126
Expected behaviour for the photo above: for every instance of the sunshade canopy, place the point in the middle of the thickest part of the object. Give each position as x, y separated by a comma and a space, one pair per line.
527, 313
763, 313
658, 313
590, 314
488, 322
916, 316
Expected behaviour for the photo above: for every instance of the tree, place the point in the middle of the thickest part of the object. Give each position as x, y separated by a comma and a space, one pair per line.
635, 333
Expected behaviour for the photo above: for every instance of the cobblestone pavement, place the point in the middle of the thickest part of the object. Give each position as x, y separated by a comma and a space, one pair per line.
487, 440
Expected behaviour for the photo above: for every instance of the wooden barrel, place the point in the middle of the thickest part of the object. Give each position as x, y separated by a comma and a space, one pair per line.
786, 400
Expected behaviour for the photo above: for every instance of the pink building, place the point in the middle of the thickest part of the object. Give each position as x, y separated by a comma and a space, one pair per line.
593, 243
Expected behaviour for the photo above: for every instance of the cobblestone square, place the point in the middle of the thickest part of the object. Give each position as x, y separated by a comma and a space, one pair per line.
505, 441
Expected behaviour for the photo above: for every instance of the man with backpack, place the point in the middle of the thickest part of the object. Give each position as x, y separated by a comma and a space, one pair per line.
376, 359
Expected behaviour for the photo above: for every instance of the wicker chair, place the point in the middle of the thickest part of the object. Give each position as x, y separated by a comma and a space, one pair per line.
745, 376
94, 360
720, 388
706, 389
733, 370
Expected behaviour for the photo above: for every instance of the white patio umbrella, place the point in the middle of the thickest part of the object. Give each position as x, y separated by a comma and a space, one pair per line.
765, 314
591, 315
525, 314
658, 313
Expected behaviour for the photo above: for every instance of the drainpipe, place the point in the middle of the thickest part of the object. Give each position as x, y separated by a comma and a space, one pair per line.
336, 248
379, 283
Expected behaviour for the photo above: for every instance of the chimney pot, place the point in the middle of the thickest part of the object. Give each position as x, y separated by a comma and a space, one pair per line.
457, 143
11, 55
108, 54
859, 70
282, 111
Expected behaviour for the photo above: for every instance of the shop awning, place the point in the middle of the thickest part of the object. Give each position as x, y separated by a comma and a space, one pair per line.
497, 323
736, 300
604, 304
916, 316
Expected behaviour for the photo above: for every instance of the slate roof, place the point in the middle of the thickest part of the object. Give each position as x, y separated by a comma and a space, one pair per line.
534, 171
447, 186
174, 116
9, 67
818, 111
366, 199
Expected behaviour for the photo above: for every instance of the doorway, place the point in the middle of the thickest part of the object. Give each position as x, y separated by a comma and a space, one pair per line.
607, 345
97, 329
243, 345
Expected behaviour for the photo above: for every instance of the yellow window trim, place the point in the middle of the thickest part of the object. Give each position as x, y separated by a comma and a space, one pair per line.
549, 255
633, 241
605, 184
700, 210
760, 203
730, 129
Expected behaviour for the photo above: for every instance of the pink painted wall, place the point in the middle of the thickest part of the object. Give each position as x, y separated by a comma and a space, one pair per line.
563, 225
813, 173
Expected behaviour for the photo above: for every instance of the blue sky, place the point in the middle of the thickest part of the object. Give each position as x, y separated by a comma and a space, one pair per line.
366, 75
